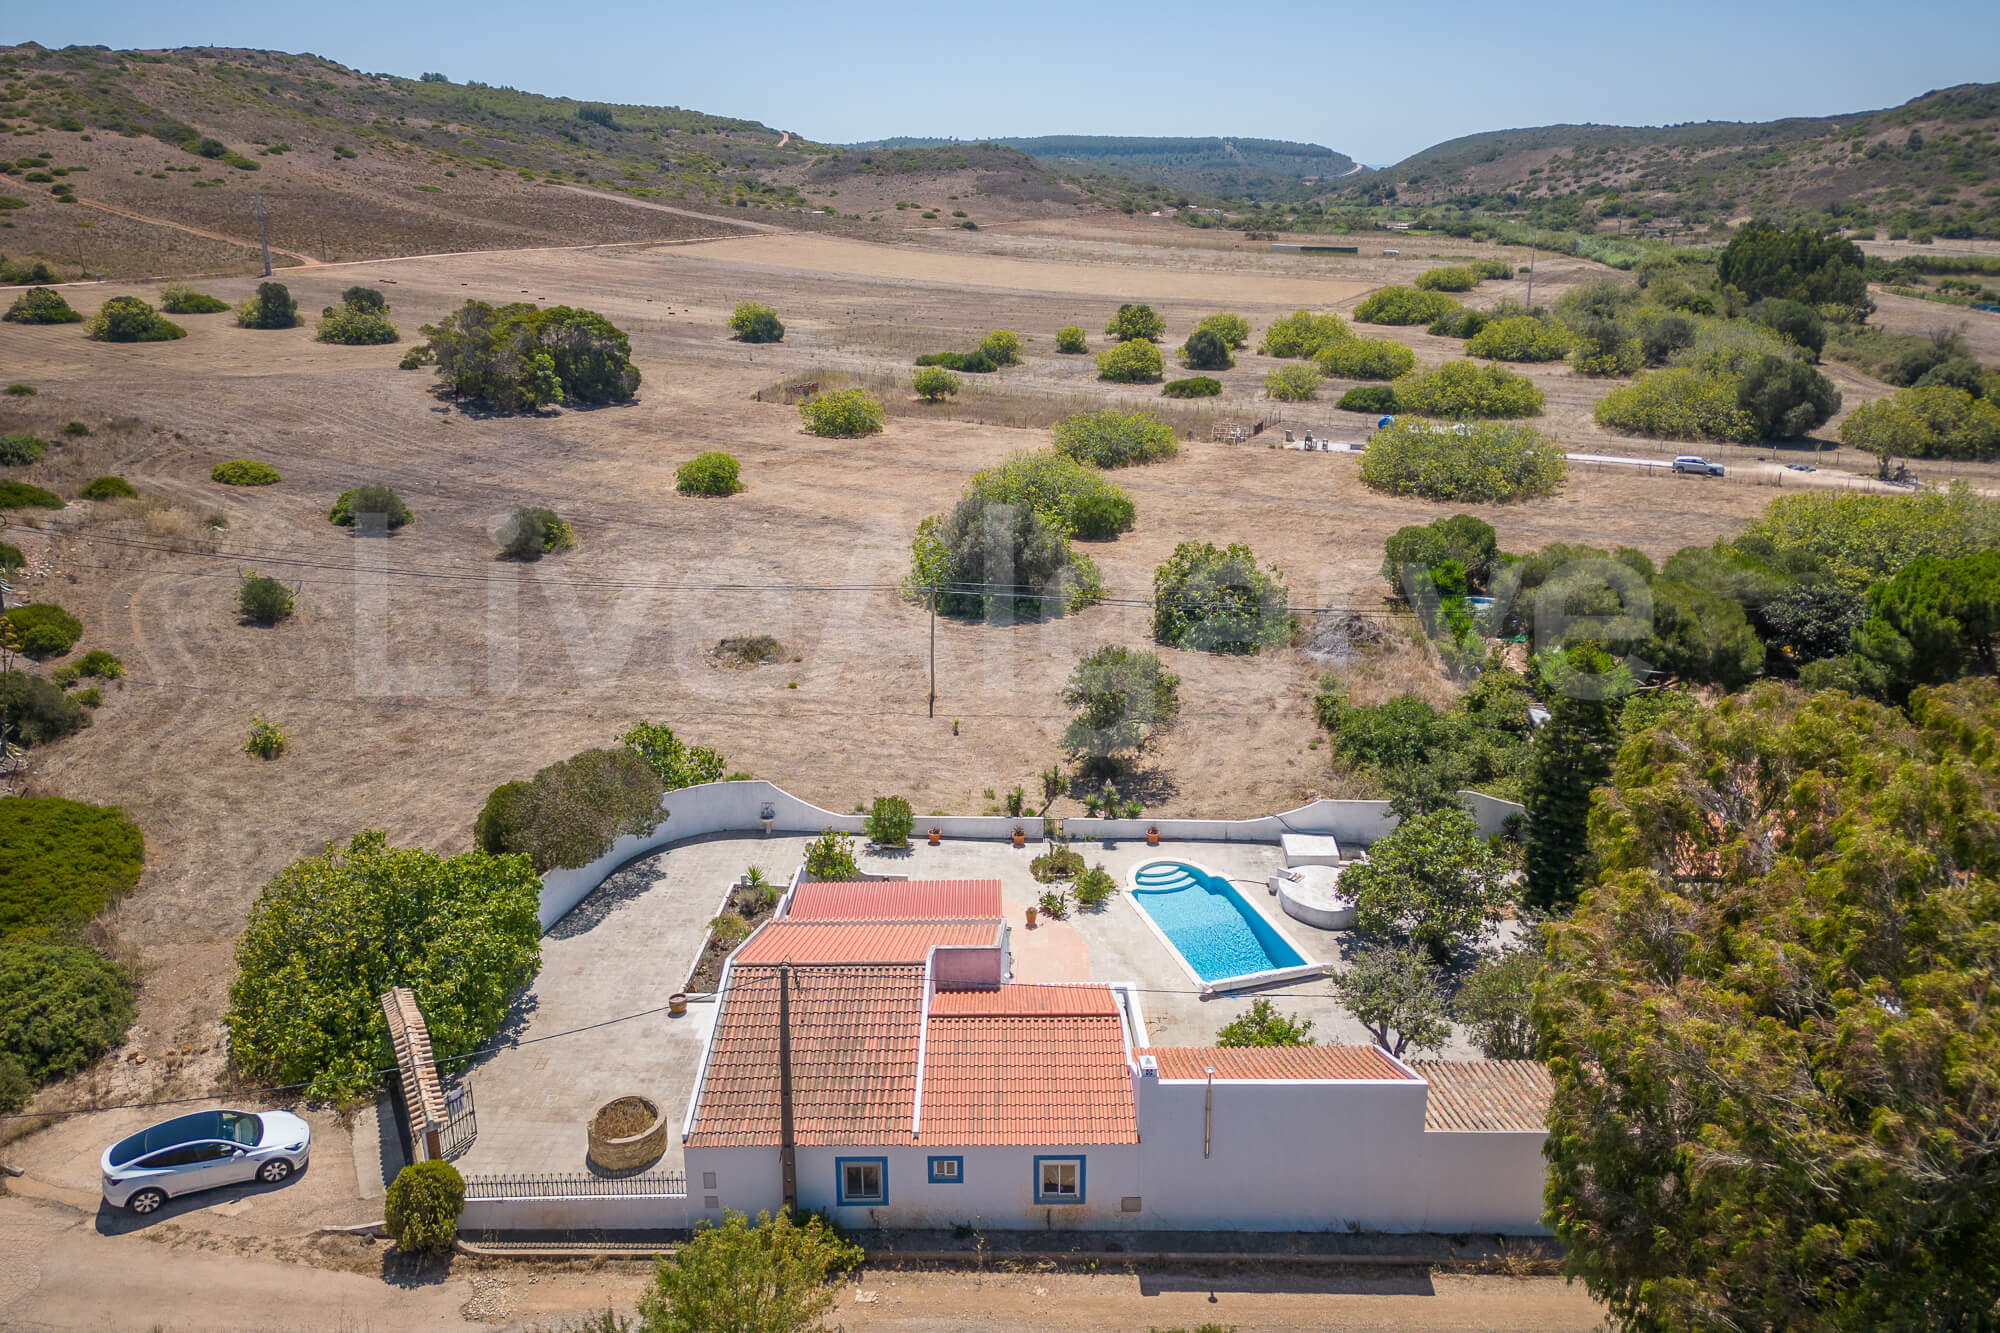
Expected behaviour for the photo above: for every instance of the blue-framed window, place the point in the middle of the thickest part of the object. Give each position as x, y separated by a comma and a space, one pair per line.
1059, 1179
861, 1181
947, 1170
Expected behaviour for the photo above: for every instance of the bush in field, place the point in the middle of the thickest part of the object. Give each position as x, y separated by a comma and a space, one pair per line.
1123, 698
1462, 389
1218, 600
1785, 398
1111, 438
1302, 334
1136, 321
1206, 349
61, 1006
974, 362
271, 308
1677, 404
1459, 323
18, 450
267, 739
331, 932
1368, 398
1292, 384
263, 600
41, 305
1928, 421
349, 508
63, 862
1605, 347
100, 664
127, 319
677, 763
754, 323
422, 1209
1459, 278
934, 383
37, 711
1234, 330
1195, 386
42, 629
1404, 305
530, 534
770, 1277
243, 472
1070, 340
521, 358
571, 811
843, 415
1521, 338
1492, 268
1366, 359
177, 298
1136, 361
1053, 483
11, 559
357, 325
1660, 338
710, 473
1002, 347
1490, 462
992, 560
1462, 540
1794, 321
20, 495
108, 488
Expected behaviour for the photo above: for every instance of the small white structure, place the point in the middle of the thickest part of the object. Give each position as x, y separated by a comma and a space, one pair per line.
1312, 894
1310, 849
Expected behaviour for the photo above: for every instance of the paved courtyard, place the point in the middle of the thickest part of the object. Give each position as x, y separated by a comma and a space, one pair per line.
633, 941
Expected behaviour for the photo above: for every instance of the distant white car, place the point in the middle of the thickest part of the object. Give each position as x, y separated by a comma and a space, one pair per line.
203, 1151
1697, 464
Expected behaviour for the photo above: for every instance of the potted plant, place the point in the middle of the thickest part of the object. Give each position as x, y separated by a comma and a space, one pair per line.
677, 1004
1031, 916
1020, 837
1153, 836
935, 835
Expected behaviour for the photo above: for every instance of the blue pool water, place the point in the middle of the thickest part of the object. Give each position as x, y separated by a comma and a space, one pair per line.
1219, 934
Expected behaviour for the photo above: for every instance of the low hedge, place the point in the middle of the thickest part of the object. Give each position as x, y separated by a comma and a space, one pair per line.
1368, 398
61, 1006
1195, 386
1366, 359
63, 862
970, 363
1521, 338
1463, 389
1134, 361
243, 472
108, 488
1459, 278
20, 495
1404, 305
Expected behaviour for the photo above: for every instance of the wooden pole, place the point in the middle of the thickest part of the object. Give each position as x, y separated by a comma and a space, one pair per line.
788, 1152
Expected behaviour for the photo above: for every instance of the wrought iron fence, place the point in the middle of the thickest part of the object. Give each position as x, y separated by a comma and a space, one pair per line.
571, 1185
461, 1122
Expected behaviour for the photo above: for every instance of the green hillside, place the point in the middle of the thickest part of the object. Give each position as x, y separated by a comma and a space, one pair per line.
1261, 169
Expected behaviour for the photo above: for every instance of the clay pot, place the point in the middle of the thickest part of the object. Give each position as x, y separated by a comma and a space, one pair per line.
1020, 838
1031, 918
677, 1004
935, 836
1152, 837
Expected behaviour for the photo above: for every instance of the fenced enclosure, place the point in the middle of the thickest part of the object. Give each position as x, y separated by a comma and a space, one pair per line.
576, 1185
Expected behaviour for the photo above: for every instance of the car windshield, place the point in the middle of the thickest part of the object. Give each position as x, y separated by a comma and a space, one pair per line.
235, 1126
238, 1127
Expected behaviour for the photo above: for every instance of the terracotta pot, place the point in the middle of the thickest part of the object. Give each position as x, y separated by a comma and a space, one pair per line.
1020, 838
1031, 918
1152, 837
935, 835
677, 1004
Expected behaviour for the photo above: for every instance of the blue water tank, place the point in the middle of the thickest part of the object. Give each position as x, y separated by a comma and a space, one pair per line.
1385, 421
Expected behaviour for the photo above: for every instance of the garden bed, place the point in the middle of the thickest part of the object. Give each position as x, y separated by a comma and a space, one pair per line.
707, 974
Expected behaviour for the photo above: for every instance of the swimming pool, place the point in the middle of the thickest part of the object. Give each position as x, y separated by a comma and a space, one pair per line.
1221, 940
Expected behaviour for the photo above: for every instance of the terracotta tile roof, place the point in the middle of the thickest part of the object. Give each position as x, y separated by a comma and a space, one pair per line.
898, 900
1024, 1001
1046, 1081
788, 941
1486, 1094
854, 1057
1274, 1062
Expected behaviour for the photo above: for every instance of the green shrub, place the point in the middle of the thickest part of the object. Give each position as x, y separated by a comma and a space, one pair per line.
1459, 323
1070, 340
330, 933
11, 559
530, 534
709, 473
63, 862
1206, 349
1110, 438
1263, 1025
127, 319
845, 414
1368, 398
177, 298
21, 391
676, 763
42, 629
1001, 347
100, 664
423, 1206
1490, 462
522, 358
934, 383
90, 698
771, 1278
1195, 386
1136, 322
1136, 361
1302, 334
1234, 330
18, 450
831, 856
1218, 600
356, 326
61, 1006
16, 1088
1292, 384
1460, 389
1461, 540
971, 363
890, 822
1062, 863
417, 357
1101, 516
353, 505
75, 428
754, 323
267, 739
1404, 305
37, 710
271, 308
1677, 404
1459, 278
1492, 268
1053, 483
20, 495
1124, 698
1926, 421
261, 599
1366, 359
1094, 887
999, 561
243, 472
41, 305
572, 811
108, 488
1786, 399
1521, 338
1605, 347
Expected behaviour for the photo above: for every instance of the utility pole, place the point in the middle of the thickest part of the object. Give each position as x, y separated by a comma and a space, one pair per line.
788, 1152
933, 647
1533, 250
262, 239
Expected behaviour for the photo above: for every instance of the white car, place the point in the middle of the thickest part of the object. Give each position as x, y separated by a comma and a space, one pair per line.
202, 1151
1696, 464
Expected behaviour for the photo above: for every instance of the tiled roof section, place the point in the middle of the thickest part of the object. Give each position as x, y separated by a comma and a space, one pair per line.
1023, 1001
854, 1057
1276, 1062
788, 941
1490, 1095
897, 900
1046, 1081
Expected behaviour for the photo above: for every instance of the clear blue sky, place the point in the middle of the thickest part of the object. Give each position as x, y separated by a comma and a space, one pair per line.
1378, 81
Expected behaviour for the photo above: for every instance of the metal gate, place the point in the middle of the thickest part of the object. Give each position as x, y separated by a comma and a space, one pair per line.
461, 1122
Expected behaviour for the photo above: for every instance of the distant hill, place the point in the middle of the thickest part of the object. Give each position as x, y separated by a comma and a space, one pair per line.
1935, 156
1262, 169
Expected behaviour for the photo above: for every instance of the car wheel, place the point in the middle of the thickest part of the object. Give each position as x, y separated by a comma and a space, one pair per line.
145, 1202
274, 1170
